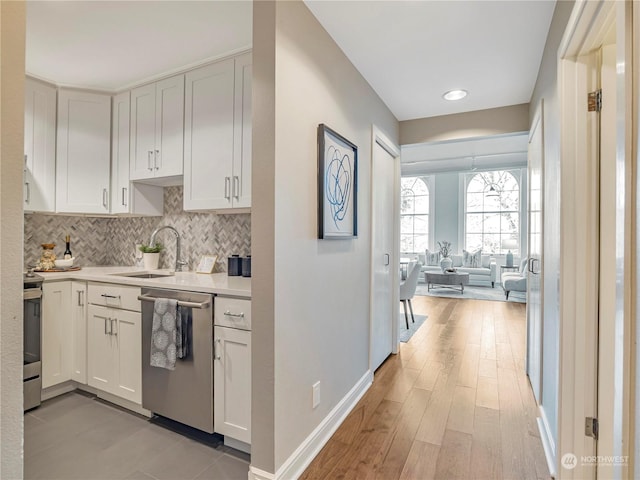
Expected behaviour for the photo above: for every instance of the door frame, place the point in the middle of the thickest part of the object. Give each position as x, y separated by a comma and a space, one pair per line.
380, 138
585, 32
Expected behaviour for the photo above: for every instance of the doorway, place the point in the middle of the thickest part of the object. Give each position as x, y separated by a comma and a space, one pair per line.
385, 178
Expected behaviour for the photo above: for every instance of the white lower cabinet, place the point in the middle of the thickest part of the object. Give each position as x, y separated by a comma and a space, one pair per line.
57, 342
79, 332
114, 352
232, 383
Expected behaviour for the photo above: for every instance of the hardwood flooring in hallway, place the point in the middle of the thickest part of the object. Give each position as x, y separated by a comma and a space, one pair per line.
455, 403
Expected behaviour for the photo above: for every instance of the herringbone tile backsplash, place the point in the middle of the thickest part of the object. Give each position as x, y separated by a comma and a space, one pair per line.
111, 241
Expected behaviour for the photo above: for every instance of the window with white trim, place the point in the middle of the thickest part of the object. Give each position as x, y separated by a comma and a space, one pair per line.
492, 212
414, 215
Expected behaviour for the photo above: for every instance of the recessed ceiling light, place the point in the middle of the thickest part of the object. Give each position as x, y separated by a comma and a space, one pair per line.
455, 95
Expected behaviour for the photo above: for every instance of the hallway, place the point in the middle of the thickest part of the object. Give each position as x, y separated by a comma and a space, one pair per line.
454, 403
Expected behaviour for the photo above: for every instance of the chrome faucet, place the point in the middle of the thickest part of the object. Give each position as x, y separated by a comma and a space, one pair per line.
152, 241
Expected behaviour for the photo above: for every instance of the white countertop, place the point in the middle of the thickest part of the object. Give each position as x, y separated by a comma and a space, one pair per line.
217, 283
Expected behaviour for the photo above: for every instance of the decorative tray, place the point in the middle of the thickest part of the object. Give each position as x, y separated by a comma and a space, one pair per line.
67, 269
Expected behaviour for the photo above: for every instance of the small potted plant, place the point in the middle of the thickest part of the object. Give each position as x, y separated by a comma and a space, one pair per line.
445, 252
151, 255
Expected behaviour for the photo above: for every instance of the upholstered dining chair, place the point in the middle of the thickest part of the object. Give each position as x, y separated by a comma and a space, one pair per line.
408, 289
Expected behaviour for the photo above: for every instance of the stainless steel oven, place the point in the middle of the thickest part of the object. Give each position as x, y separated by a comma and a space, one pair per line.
32, 367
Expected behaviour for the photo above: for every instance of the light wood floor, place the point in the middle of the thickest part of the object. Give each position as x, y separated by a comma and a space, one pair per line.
454, 403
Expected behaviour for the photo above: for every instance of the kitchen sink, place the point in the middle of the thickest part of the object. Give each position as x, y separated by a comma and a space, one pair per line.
144, 274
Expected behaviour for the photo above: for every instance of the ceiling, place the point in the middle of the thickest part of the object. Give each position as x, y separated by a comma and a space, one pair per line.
411, 52
112, 45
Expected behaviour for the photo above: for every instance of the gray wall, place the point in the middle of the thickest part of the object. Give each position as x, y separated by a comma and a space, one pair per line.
319, 322
547, 89
12, 31
111, 241
481, 123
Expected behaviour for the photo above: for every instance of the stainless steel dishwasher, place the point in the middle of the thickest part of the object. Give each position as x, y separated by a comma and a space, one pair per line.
186, 393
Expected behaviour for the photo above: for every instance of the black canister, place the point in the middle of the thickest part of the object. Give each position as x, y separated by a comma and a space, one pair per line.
234, 268
246, 266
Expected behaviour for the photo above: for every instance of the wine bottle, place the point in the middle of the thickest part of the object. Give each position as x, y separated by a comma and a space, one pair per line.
67, 251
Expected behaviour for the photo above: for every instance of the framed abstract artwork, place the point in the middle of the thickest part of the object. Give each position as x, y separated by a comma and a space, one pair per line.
337, 185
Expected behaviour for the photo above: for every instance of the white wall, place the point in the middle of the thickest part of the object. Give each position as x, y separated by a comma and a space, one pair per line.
317, 298
546, 88
12, 34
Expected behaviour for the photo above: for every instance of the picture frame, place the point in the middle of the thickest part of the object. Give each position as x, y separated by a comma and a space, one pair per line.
206, 263
337, 185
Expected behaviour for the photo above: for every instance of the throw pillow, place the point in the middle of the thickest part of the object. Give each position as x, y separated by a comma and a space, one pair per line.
486, 261
433, 258
472, 260
457, 260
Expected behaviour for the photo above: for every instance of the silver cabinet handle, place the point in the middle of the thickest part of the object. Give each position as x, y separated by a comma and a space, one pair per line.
149, 166
216, 355
227, 184
111, 320
387, 259
155, 160
104, 295
235, 315
105, 198
80, 303
105, 326
124, 196
236, 187
28, 199
146, 298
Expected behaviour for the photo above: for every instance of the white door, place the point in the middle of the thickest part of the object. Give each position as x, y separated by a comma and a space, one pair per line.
127, 338
56, 328
242, 132
208, 148
79, 335
100, 348
169, 138
232, 383
83, 162
143, 131
534, 267
383, 306
120, 154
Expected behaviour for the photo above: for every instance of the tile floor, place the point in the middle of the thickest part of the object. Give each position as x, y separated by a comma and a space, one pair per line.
76, 436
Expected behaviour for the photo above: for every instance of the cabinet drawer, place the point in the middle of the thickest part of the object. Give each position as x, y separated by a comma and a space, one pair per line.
232, 312
115, 296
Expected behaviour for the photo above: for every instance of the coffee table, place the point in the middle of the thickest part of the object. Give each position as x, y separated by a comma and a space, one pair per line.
447, 280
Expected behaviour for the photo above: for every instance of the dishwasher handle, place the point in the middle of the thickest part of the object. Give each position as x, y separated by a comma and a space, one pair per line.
181, 303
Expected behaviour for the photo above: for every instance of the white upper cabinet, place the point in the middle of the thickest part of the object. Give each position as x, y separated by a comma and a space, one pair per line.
83, 152
217, 149
128, 197
157, 131
241, 190
39, 147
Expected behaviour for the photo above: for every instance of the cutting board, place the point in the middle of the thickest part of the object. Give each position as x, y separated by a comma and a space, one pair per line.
69, 269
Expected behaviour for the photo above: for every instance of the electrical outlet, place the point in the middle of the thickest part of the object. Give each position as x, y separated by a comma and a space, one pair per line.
316, 394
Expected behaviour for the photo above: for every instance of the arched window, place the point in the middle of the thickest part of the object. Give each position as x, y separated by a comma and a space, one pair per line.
414, 215
492, 212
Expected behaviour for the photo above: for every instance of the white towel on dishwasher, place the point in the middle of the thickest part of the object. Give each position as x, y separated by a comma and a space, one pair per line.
166, 315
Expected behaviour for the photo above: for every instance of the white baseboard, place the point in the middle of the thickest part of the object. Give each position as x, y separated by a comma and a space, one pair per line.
300, 459
257, 474
548, 444
56, 390
237, 444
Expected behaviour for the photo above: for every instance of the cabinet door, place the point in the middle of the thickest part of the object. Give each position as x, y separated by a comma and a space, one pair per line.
169, 144
232, 383
39, 147
101, 356
128, 337
56, 329
241, 186
143, 131
79, 331
83, 152
120, 154
208, 152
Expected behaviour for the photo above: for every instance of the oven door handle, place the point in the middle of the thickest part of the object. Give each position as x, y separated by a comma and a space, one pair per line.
181, 303
32, 294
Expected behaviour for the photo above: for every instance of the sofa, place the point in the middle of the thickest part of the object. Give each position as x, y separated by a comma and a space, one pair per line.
485, 275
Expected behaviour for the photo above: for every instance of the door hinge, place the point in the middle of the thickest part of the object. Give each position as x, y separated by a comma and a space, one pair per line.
591, 427
594, 101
